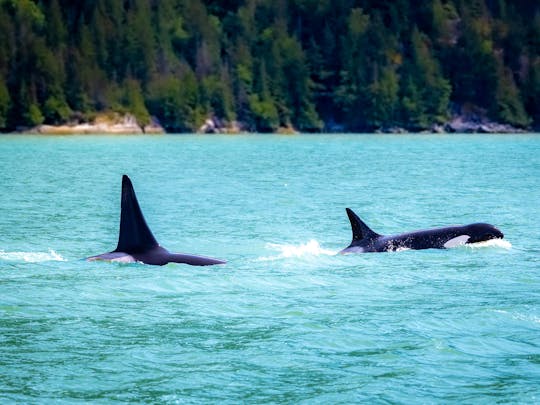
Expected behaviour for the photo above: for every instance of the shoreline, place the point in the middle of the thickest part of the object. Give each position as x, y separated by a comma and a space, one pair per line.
322, 133
127, 124
106, 124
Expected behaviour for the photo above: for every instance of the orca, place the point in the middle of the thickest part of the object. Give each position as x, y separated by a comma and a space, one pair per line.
366, 240
136, 243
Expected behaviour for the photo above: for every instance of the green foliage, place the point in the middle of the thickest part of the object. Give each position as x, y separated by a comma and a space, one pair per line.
176, 102
384, 99
165, 102
270, 63
56, 32
34, 116
134, 102
27, 11
217, 96
532, 91
510, 108
56, 110
413, 108
265, 114
427, 94
358, 23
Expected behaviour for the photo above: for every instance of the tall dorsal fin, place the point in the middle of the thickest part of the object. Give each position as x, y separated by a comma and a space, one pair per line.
359, 229
135, 236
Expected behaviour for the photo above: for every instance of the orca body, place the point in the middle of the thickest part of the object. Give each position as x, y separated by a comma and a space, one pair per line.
366, 240
136, 243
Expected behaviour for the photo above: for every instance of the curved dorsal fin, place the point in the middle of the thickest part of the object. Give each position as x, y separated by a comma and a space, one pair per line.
359, 229
135, 236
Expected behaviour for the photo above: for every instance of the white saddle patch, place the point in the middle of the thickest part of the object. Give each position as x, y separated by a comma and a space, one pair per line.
118, 257
457, 241
124, 259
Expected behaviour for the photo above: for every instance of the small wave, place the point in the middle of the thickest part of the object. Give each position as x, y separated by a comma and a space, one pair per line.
31, 257
519, 316
311, 248
492, 243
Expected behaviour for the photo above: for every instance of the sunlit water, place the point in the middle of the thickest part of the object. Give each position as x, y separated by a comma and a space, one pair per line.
286, 320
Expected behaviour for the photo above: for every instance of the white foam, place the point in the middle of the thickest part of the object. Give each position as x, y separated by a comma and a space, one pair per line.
31, 257
311, 248
492, 243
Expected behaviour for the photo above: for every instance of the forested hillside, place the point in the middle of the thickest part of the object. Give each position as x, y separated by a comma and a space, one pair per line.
356, 65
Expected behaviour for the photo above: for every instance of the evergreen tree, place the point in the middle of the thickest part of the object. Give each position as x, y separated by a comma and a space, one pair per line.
509, 106
133, 101
384, 93
351, 94
175, 101
4, 104
426, 83
532, 98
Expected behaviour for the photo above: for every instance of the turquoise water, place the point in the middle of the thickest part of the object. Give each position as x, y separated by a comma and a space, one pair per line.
285, 321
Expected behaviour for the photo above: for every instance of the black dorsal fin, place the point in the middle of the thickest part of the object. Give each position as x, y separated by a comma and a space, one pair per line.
135, 236
359, 229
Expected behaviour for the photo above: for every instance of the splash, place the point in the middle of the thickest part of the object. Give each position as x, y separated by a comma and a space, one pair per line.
402, 249
311, 248
31, 257
492, 243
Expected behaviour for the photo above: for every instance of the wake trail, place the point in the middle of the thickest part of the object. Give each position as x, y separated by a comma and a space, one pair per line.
308, 249
31, 257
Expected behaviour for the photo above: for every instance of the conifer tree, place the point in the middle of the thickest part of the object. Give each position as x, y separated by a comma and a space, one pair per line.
4, 104
509, 106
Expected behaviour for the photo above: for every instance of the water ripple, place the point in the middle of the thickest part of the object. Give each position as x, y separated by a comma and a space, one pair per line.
286, 320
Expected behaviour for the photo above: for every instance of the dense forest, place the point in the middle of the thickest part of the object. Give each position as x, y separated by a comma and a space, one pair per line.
314, 65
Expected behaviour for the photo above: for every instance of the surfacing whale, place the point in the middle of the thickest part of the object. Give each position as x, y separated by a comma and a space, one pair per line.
136, 243
366, 240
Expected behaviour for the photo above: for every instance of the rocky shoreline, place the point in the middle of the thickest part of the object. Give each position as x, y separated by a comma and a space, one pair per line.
462, 124
126, 124
113, 124
463, 120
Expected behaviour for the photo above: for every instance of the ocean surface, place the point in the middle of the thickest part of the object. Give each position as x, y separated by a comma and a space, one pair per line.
285, 320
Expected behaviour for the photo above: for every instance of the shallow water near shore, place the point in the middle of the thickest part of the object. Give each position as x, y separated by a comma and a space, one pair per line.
286, 320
